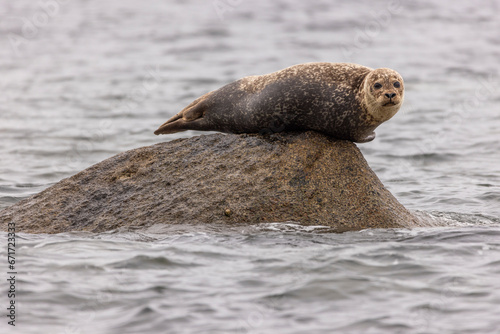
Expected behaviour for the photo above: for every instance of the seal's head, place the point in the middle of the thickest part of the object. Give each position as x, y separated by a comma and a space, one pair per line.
383, 93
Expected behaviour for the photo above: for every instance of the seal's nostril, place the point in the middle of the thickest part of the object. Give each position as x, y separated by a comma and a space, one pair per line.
390, 95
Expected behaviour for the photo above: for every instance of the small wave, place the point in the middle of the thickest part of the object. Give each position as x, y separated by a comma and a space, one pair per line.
149, 262
292, 227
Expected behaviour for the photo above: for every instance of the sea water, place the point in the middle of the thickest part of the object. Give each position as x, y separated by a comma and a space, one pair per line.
83, 80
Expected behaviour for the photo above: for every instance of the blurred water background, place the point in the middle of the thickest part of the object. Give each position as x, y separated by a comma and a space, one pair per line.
83, 80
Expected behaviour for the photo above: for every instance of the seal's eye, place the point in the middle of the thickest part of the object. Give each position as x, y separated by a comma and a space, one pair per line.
397, 84
377, 86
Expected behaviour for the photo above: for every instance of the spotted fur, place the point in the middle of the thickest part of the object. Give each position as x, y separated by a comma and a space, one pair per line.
343, 100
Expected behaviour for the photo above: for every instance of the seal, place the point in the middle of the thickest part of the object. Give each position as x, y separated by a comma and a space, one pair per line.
343, 100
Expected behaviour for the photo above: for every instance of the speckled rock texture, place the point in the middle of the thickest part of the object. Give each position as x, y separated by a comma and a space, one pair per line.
307, 178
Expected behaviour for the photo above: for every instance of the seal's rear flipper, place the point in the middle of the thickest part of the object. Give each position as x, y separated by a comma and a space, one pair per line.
181, 121
173, 127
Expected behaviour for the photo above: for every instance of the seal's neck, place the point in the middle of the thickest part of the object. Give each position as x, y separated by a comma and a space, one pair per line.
381, 113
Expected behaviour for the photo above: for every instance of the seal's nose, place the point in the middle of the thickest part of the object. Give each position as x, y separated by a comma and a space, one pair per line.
390, 95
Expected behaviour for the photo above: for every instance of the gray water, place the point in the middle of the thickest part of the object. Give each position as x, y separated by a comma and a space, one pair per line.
83, 80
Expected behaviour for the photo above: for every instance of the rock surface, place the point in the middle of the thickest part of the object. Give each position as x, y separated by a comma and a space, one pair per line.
306, 177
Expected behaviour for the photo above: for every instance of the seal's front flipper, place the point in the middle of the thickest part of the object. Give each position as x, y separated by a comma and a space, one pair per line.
180, 122
368, 138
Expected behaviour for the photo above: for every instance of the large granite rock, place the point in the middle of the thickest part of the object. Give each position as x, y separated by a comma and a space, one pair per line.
307, 178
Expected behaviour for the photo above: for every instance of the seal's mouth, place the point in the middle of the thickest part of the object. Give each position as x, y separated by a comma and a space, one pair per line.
391, 102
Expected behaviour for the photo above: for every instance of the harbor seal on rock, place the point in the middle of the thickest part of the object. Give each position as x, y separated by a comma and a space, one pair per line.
342, 100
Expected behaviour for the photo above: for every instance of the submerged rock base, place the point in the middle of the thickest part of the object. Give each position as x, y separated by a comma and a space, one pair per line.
306, 177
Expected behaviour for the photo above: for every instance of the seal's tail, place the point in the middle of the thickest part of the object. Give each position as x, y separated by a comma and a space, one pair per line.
185, 119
